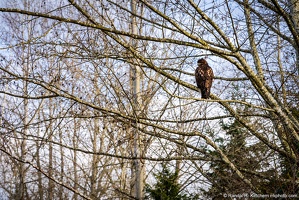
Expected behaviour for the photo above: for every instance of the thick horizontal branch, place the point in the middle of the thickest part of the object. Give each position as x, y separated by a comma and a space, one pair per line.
216, 77
29, 97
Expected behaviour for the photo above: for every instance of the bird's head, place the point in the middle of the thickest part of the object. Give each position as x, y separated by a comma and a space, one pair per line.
201, 61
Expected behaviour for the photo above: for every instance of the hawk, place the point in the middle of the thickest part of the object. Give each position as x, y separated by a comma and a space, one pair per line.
204, 77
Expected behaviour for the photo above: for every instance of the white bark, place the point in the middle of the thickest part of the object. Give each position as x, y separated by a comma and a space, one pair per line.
138, 164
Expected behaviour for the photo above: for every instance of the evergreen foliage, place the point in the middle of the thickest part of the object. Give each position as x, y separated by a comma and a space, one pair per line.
167, 187
249, 157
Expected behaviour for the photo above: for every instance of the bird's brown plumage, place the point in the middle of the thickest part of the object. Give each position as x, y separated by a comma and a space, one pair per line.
204, 78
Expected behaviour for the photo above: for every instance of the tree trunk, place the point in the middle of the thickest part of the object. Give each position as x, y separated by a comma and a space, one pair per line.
294, 5
138, 164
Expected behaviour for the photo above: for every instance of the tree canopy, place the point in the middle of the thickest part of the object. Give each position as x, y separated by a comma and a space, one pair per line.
95, 94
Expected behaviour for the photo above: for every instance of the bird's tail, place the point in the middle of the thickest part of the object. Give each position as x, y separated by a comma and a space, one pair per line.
205, 94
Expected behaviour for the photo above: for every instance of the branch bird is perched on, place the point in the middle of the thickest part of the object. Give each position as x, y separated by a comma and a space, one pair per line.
204, 78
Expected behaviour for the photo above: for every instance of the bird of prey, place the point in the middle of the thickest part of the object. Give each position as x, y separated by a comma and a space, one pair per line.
204, 78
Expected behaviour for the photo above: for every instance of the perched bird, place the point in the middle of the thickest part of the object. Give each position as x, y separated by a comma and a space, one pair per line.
204, 77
